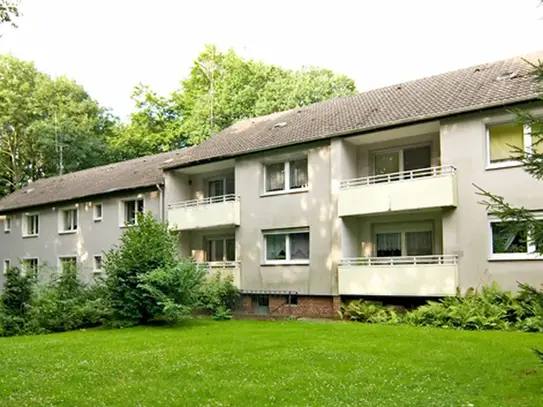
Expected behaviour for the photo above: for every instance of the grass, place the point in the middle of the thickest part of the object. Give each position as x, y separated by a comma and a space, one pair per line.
252, 363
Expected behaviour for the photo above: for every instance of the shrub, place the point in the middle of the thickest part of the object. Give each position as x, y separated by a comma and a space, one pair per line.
367, 311
174, 290
15, 302
219, 295
144, 280
66, 304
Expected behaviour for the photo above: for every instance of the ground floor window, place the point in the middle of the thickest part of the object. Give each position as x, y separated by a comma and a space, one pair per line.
67, 263
406, 240
284, 246
511, 240
30, 266
221, 249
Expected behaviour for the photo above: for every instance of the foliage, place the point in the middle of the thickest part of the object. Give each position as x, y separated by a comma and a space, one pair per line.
218, 295
42, 119
174, 288
367, 311
9, 10
221, 88
66, 304
538, 354
145, 280
15, 302
206, 363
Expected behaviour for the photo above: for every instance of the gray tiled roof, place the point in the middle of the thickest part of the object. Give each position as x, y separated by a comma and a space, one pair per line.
464, 90
133, 174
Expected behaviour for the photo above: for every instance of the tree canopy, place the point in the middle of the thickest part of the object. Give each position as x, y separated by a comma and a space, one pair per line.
221, 88
47, 126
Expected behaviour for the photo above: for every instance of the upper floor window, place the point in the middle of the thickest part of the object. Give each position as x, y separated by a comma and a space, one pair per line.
7, 224
97, 212
221, 249
397, 161
511, 240
30, 266
287, 246
68, 220
7, 265
504, 141
97, 264
216, 187
404, 239
31, 224
288, 176
131, 210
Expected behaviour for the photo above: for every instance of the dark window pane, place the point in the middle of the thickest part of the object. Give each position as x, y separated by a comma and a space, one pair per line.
299, 246
276, 247
275, 177
419, 243
298, 174
506, 238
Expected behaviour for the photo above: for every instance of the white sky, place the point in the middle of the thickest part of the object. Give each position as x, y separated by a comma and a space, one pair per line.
110, 45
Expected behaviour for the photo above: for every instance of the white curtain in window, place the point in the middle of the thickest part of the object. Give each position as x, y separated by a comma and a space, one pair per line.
275, 177
298, 173
276, 247
388, 241
299, 246
418, 243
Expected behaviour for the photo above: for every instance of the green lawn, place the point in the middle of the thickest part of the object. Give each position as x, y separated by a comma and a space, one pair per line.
251, 363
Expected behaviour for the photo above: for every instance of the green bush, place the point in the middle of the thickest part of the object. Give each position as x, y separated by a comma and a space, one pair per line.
144, 278
367, 311
66, 304
218, 295
174, 288
15, 302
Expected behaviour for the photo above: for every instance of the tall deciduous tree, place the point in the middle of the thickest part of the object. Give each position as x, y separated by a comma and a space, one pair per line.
220, 89
47, 126
9, 11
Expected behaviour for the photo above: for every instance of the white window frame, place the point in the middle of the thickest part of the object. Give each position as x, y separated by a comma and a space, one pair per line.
67, 256
25, 259
403, 228
94, 216
61, 213
122, 211
24, 224
530, 246
7, 265
95, 269
287, 260
287, 189
7, 224
527, 141
400, 151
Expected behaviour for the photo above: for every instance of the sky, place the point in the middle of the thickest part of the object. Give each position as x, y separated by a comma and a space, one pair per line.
109, 46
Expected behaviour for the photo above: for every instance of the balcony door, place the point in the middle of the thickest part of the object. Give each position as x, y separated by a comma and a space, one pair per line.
407, 159
416, 239
221, 249
216, 187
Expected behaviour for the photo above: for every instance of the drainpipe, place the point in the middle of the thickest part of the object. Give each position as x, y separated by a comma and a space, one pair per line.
161, 202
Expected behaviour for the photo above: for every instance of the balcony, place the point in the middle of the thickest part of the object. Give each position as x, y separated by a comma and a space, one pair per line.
225, 268
425, 276
210, 212
425, 188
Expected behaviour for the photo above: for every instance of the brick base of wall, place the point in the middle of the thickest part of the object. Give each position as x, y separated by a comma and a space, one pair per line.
306, 306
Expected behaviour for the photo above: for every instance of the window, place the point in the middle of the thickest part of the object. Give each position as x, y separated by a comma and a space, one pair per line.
7, 265
407, 240
67, 263
68, 220
287, 176
505, 139
98, 212
216, 187
131, 210
97, 265
7, 224
512, 241
292, 299
287, 247
30, 266
393, 162
31, 225
221, 249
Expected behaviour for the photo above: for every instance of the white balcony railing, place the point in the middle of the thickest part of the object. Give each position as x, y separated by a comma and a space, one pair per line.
399, 176
445, 259
204, 201
213, 265
225, 268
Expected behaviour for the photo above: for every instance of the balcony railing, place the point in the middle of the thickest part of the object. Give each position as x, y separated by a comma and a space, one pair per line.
444, 259
214, 265
399, 176
224, 268
204, 201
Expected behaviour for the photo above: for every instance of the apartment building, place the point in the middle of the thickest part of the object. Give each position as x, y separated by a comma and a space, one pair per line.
371, 195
